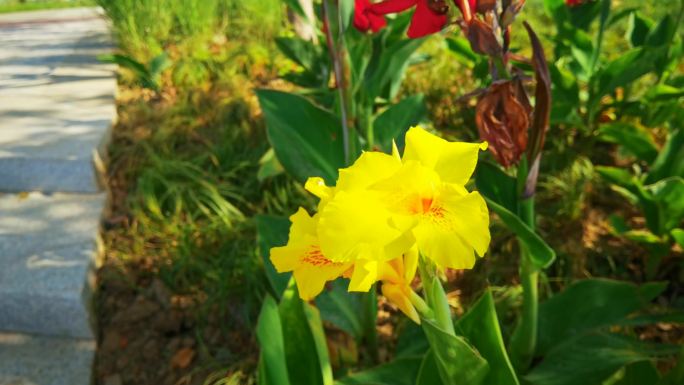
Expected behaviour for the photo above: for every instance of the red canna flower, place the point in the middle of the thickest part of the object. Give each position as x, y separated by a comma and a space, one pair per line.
430, 16
366, 20
573, 3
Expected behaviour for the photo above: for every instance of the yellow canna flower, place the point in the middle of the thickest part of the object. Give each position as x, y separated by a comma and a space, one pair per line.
429, 199
383, 212
302, 255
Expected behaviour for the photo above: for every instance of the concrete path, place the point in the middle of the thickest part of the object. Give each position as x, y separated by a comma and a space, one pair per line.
56, 111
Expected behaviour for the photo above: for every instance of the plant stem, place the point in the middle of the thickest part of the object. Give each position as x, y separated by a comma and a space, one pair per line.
436, 298
338, 55
370, 306
524, 339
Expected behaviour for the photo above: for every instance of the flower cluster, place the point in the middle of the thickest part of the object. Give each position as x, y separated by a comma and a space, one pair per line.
384, 212
430, 16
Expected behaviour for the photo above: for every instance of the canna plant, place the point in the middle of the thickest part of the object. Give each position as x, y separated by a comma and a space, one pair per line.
386, 218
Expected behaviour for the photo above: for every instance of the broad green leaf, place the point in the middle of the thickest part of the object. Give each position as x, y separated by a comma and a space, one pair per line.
592, 359
496, 185
670, 161
341, 308
638, 29
401, 371
589, 305
272, 231
456, 360
307, 139
411, 340
640, 373
662, 33
541, 253
272, 363
393, 122
302, 346
480, 326
636, 141
429, 373
668, 195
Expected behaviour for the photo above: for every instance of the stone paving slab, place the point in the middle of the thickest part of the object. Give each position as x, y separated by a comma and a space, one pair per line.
31, 360
48, 250
57, 100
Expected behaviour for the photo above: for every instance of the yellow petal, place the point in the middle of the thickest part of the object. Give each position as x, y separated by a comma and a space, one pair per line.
399, 297
410, 264
317, 187
356, 223
311, 279
453, 161
455, 227
364, 276
368, 169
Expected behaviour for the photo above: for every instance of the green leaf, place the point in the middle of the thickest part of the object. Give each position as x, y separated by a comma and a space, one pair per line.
640, 373
592, 359
300, 51
272, 231
269, 166
542, 255
496, 185
296, 7
429, 372
391, 65
272, 364
676, 374
668, 195
456, 360
480, 326
306, 138
401, 371
460, 47
618, 176
306, 362
313, 318
662, 33
670, 161
341, 308
678, 236
346, 12
588, 305
393, 122
638, 29
627, 68
636, 141
411, 340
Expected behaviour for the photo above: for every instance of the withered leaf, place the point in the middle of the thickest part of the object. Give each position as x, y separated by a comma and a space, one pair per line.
503, 116
482, 38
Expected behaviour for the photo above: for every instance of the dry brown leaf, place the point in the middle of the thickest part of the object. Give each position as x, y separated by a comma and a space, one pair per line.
182, 358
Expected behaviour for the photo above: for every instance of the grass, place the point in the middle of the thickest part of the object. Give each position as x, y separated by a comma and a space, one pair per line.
8, 6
